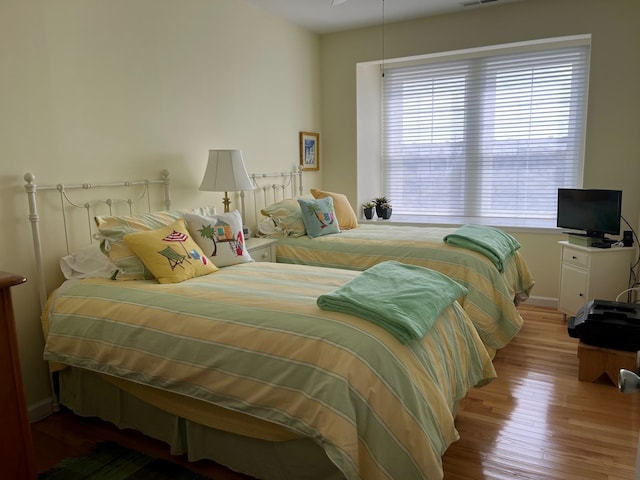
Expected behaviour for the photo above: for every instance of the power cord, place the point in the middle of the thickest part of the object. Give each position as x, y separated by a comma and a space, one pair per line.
633, 280
627, 291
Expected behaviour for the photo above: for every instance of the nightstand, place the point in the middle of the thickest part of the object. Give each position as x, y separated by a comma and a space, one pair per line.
261, 249
16, 447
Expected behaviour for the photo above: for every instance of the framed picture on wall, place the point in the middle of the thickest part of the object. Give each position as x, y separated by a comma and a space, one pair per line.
310, 151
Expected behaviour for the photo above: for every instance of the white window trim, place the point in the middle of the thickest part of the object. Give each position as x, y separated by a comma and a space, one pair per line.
369, 109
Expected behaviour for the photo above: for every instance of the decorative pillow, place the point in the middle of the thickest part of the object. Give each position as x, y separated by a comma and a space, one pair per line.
319, 216
220, 237
170, 253
286, 217
347, 218
112, 229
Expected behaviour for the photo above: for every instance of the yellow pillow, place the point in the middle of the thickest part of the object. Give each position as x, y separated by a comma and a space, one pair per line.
113, 228
170, 253
347, 218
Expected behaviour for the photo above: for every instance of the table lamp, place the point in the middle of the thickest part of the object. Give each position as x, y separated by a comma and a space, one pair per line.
225, 173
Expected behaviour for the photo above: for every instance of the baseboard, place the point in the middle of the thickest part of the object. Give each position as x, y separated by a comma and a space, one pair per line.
40, 410
542, 302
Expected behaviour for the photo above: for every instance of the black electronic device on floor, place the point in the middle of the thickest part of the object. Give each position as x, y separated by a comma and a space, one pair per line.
607, 324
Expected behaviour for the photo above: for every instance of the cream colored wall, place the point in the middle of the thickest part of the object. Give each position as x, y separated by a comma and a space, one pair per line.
106, 90
612, 157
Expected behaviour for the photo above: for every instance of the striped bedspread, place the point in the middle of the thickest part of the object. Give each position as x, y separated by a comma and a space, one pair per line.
251, 338
490, 301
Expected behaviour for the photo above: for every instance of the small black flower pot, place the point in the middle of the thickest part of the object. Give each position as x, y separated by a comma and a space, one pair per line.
385, 213
368, 213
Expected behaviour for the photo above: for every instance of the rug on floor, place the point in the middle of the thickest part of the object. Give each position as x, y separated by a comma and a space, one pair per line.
110, 461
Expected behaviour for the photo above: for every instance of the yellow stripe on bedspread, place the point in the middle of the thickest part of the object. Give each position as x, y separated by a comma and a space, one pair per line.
491, 294
252, 339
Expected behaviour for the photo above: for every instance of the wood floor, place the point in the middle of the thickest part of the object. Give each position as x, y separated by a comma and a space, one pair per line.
536, 421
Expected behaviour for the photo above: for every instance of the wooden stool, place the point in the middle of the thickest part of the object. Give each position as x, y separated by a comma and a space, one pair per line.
595, 362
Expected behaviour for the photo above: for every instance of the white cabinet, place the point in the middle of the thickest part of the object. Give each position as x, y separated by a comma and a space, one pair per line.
588, 273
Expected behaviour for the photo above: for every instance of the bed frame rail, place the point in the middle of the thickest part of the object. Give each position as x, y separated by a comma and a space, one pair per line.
268, 188
66, 200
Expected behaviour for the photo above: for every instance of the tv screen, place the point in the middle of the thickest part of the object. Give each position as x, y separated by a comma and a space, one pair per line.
596, 212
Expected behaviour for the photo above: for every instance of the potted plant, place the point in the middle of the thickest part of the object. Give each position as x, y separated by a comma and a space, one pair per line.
383, 207
367, 208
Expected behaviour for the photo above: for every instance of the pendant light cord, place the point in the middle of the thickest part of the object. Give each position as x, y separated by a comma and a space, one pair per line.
382, 38
382, 166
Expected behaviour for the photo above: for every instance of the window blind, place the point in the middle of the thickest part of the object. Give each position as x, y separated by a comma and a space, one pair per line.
492, 136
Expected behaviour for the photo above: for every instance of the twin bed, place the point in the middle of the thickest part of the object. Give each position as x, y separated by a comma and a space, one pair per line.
489, 265
492, 295
240, 364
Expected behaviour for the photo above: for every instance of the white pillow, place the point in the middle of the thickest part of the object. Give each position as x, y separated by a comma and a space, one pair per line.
268, 228
88, 262
220, 237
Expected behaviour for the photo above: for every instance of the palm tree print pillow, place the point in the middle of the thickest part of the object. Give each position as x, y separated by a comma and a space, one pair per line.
220, 237
319, 216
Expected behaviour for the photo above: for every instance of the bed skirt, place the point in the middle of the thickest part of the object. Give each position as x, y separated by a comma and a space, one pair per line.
88, 394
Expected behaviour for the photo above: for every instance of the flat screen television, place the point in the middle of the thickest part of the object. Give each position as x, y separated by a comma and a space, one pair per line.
592, 211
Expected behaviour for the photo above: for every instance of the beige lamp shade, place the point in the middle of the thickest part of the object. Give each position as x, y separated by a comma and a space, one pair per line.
225, 173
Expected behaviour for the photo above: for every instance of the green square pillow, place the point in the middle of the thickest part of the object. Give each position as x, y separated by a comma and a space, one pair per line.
220, 237
286, 218
319, 216
170, 253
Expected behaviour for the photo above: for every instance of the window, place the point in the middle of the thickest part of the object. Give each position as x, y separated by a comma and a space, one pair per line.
488, 136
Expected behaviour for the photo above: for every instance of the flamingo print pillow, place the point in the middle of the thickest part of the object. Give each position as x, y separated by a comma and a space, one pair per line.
319, 216
220, 237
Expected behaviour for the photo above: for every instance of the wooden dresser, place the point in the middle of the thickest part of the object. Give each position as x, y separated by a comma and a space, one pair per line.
16, 448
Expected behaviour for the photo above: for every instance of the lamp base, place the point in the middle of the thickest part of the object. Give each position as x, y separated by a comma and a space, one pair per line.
226, 202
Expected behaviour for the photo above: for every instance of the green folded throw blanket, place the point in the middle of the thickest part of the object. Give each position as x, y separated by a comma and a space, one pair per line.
492, 242
404, 299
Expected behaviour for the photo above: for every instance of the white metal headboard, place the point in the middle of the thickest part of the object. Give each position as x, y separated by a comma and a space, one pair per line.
89, 206
269, 188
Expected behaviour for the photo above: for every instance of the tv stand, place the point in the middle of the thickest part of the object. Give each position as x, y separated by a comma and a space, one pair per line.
588, 273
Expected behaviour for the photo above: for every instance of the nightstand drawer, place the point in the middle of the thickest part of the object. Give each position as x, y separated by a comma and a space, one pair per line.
261, 249
575, 257
262, 254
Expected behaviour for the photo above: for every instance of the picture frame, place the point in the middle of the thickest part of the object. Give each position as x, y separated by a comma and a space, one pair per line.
310, 151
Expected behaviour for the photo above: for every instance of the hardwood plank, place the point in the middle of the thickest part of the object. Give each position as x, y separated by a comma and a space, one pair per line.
536, 421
